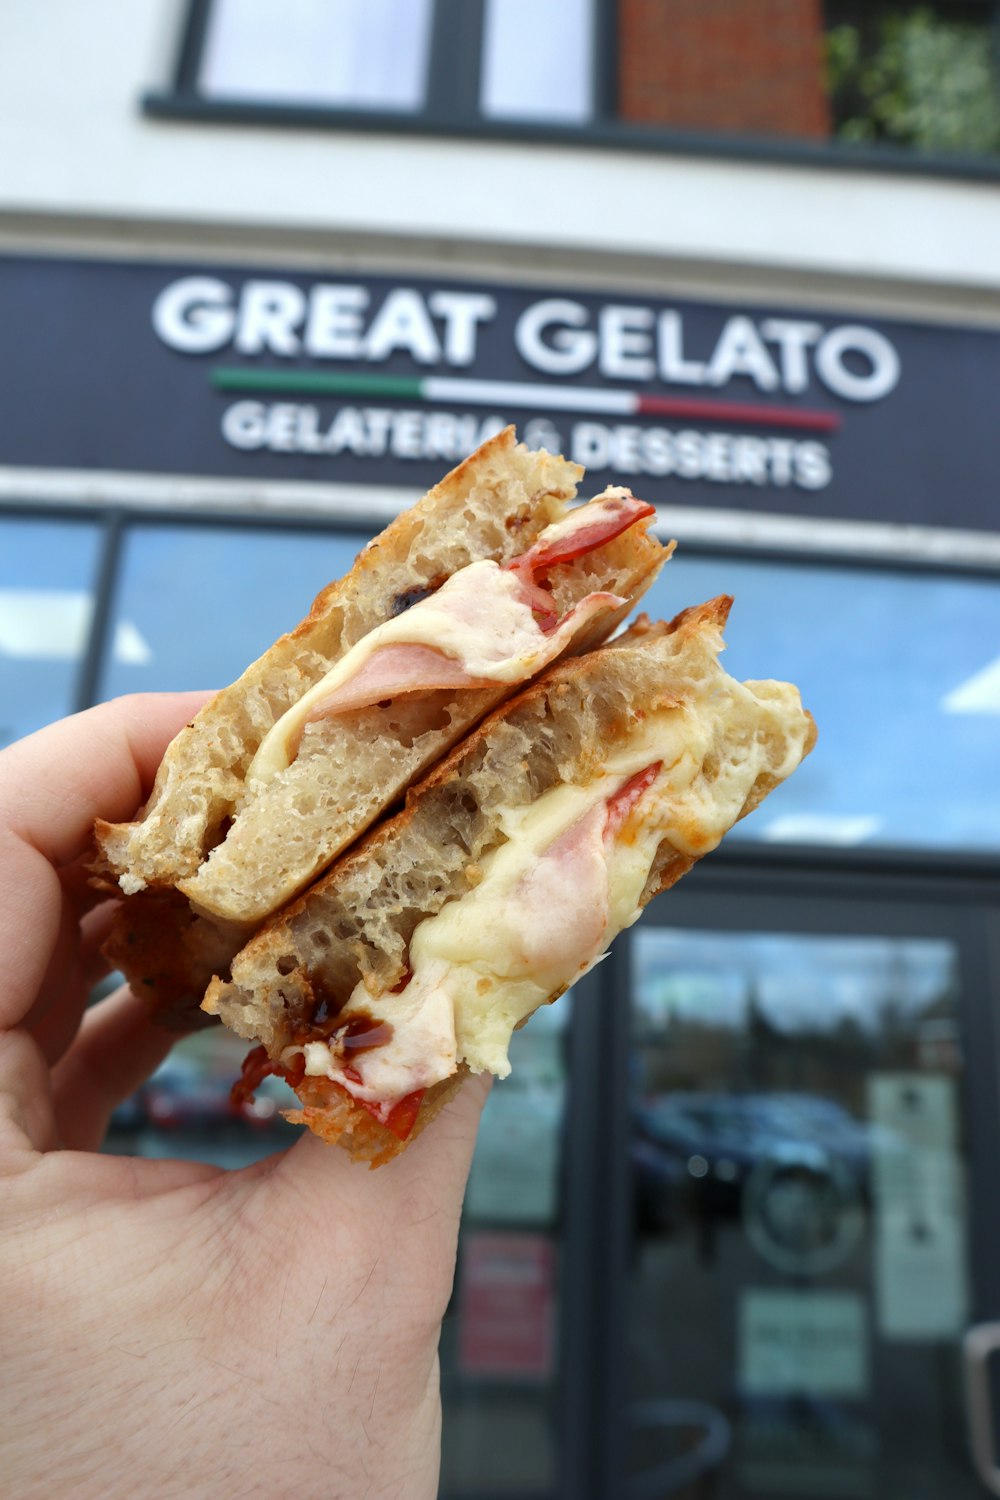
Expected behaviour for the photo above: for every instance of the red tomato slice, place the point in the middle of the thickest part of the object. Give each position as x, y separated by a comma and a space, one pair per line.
626, 797
403, 1115
613, 517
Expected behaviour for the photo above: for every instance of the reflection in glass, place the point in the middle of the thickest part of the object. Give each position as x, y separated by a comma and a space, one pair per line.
47, 571
184, 1112
207, 601
799, 1263
880, 658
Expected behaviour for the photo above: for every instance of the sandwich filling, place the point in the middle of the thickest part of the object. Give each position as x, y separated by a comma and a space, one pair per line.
570, 875
485, 625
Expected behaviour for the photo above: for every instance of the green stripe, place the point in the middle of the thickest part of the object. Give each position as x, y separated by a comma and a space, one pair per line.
316, 383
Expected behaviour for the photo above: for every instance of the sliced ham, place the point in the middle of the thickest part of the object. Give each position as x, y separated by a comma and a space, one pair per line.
485, 625
514, 655
559, 908
561, 903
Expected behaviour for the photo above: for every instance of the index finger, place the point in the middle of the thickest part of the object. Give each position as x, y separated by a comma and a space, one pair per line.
53, 785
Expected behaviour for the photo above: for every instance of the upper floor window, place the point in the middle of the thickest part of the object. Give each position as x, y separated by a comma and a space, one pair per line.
366, 54
862, 76
528, 61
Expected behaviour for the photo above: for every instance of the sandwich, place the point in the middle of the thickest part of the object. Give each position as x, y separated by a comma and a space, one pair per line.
478, 588
503, 879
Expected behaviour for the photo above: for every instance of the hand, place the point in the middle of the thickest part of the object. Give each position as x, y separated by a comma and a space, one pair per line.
170, 1328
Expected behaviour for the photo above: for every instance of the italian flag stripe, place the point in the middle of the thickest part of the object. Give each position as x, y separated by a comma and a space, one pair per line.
520, 394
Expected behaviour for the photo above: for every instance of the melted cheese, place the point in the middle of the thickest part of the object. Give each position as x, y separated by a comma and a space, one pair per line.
555, 894
478, 617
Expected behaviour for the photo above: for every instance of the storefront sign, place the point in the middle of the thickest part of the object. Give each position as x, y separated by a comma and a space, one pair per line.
234, 372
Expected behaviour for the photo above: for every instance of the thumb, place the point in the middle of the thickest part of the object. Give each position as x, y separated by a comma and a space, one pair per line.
423, 1185
441, 1152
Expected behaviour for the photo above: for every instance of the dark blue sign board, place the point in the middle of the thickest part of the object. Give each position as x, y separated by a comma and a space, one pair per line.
244, 373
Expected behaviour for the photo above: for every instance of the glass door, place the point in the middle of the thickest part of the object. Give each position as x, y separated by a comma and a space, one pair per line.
802, 1236
500, 1345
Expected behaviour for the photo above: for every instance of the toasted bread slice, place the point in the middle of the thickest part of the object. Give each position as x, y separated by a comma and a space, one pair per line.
238, 844
500, 849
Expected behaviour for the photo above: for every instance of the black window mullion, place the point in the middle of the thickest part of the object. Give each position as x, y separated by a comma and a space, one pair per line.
593, 1324
455, 65
192, 45
604, 61
98, 639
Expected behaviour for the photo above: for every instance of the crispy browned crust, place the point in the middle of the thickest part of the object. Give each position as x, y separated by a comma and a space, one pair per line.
333, 1115
165, 951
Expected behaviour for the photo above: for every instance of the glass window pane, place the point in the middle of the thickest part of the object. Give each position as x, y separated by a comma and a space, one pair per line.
47, 571
196, 604
921, 76
902, 674
537, 60
799, 1279
365, 53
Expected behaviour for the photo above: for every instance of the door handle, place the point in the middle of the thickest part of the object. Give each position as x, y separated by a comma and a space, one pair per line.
977, 1346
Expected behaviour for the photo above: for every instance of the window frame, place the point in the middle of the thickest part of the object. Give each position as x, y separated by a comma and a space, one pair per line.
452, 108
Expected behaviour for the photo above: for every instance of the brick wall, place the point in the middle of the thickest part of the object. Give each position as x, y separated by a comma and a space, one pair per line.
753, 66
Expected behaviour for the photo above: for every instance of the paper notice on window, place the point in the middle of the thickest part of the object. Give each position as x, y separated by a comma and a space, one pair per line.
918, 1203
803, 1343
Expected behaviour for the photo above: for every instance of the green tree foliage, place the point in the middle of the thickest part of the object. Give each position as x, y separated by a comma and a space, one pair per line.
916, 80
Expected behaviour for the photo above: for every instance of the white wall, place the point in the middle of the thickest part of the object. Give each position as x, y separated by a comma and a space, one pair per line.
74, 143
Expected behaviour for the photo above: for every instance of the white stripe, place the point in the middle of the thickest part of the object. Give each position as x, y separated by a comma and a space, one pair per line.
535, 397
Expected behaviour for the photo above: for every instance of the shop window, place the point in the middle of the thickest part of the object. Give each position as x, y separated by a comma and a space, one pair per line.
47, 573
800, 1173
534, 62
901, 676
207, 600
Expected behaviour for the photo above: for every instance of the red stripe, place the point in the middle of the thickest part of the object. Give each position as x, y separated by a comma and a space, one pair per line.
734, 411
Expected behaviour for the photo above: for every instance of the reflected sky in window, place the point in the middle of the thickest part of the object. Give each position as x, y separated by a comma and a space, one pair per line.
798, 982
47, 572
904, 757
206, 601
